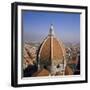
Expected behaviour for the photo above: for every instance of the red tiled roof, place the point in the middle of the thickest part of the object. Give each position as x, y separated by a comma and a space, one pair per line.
45, 50
68, 71
42, 72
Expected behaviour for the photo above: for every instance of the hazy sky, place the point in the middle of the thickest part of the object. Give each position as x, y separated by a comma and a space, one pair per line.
36, 25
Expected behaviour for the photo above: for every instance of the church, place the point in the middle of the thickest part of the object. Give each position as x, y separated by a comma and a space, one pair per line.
51, 55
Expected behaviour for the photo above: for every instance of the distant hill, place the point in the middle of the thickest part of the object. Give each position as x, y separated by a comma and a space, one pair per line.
69, 44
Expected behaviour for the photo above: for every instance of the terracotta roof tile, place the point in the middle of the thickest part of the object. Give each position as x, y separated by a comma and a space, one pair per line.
42, 72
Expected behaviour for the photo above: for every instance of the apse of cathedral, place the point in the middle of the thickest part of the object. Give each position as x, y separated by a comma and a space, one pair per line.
51, 55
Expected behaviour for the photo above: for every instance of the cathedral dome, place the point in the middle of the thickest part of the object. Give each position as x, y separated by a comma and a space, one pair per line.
51, 48
51, 55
